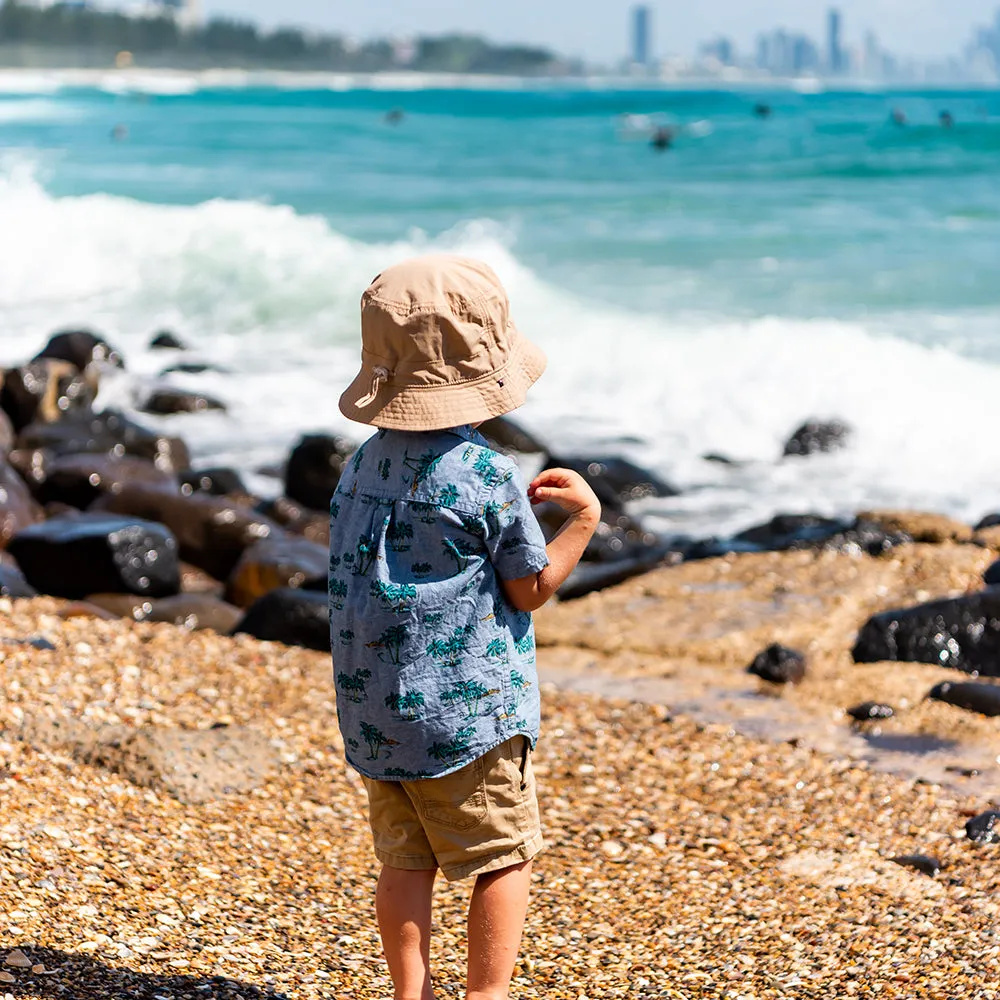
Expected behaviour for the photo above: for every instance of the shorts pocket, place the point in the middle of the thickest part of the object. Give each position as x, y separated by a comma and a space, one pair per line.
456, 801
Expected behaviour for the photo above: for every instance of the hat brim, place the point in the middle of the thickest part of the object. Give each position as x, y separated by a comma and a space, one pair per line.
449, 404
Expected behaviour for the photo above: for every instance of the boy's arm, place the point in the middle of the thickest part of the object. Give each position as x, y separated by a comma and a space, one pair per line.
570, 491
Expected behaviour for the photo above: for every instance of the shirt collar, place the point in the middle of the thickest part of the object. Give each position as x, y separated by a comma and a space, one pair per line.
467, 433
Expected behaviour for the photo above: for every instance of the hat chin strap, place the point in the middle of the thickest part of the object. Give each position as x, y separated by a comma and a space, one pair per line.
379, 375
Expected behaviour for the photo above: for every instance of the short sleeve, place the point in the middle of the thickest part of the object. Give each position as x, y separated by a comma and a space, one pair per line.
514, 538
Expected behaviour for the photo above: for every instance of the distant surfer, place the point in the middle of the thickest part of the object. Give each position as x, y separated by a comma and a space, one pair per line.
119, 133
663, 138
762, 110
946, 119
394, 117
897, 117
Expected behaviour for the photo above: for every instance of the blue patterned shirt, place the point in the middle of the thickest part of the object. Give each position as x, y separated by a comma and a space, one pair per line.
433, 666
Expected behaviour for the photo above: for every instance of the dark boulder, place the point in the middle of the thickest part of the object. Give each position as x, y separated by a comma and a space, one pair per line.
992, 574
292, 616
984, 828
17, 508
192, 611
167, 341
314, 468
778, 665
506, 435
989, 521
193, 368
615, 480
197, 581
13, 583
785, 531
107, 431
588, 577
217, 481
75, 556
80, 348
44, 391
297, 519
960, 632
277, 562
871, 711
212, 532
817, 436
923, 863
78, 480
164, 402
981, 698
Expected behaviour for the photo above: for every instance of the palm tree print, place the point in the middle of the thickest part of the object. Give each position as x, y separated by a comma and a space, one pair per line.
434, 618
346, 636
397, 597
454, 748
421, 569
376, 739
391, 640
353, 685
383, 468
525, 644
406, 706
494, 512
426, 512
399, 535
448, 494
470, 692
421, 467
461, 550
365, 556
404, 774
338, 593
497, 651
473, 525
358, 457
334, 563
520, 685
334, 509
448, 652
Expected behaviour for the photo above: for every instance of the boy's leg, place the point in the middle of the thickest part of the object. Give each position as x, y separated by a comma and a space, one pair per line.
496, 919
403, 906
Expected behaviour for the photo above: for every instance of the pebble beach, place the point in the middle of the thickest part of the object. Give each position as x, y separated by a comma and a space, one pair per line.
684, 859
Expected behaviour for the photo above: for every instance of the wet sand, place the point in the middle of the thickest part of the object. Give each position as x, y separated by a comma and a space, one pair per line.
685, 860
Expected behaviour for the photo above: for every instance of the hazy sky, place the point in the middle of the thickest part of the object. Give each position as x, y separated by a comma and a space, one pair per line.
598, 29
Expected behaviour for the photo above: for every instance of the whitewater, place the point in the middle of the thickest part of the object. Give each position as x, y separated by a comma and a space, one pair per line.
706, 300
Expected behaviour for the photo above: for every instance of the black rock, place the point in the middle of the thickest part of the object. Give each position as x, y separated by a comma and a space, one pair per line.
18, 509
784, 531
960, 632
78, 480
314, 468
107, 431
75, 556
984, 828
615, 480
80, 348
981, 698
167, 341
212, 532
923, 863
870, 710
45, 390
298, 519
590, 576
506, 435
164, 402
989, 521
194, 368
779, 665
817, 436
217, 481
277, 562
714, 456
292, 616
992, 574
13, 583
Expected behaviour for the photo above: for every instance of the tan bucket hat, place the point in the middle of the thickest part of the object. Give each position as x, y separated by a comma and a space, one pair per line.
438, 348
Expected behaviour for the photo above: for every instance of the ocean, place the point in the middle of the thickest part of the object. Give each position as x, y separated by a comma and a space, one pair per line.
707, 298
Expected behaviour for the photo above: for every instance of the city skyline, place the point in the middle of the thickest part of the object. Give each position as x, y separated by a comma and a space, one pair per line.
600, 31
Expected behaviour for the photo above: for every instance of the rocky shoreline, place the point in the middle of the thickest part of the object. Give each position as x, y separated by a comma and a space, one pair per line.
177, 820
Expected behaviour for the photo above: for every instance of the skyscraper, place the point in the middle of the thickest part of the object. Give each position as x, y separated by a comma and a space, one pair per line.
834, 51
641, 18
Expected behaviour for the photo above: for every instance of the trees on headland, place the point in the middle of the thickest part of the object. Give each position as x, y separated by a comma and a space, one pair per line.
65, 32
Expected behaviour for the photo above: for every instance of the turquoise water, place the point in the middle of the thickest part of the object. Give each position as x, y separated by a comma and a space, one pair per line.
705, 298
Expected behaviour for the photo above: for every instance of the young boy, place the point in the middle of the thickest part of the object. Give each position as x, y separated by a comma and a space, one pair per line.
436, 563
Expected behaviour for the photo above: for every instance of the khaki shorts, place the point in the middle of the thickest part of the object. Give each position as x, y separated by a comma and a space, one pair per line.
480, 818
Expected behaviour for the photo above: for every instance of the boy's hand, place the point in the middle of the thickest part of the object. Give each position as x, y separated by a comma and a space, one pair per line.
568, 490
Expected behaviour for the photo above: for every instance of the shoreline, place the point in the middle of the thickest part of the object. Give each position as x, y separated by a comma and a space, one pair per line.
683, 860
